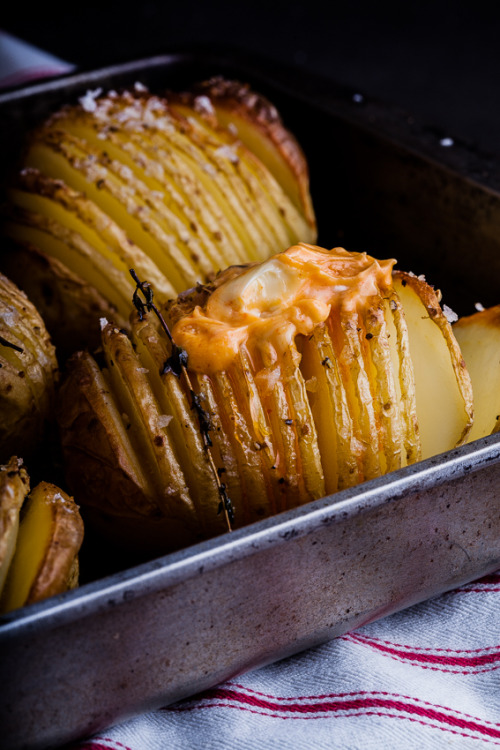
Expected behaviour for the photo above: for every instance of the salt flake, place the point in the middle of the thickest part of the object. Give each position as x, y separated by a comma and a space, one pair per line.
88, 101
450, 315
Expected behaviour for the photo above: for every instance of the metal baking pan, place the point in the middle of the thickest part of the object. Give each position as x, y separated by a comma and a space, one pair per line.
166, 629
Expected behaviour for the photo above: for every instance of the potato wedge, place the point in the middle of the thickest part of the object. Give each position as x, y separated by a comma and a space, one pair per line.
46, 557
479, 338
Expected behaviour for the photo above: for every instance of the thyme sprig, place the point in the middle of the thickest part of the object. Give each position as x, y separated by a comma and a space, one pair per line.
4, 342
177, 364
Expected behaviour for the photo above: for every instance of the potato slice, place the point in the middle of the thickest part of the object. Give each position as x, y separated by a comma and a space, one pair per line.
152, 169
442, 382
28, 372
147, 430
61, 155
257, 123
71, 250
49, 539
75, 211
61, 297
479, 338
283, 223
14, 486
338, 446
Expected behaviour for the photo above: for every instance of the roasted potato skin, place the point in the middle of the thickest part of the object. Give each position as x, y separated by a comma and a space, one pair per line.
59, 570
118, 500
14, 486
28, 373
45, 561
60, 296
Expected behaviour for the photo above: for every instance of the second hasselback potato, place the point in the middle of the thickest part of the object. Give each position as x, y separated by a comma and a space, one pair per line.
287, 380
177, 186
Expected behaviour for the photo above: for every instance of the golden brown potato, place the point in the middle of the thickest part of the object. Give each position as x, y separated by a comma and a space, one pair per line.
289, 380
43, 551
134, 180
61, 297
28, 372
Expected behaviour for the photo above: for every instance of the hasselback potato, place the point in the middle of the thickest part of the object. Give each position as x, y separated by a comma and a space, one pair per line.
178, 187
284, 381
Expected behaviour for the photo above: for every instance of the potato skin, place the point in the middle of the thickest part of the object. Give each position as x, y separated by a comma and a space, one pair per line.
119, 502
68, 305
14, 486
59, 569
28, 373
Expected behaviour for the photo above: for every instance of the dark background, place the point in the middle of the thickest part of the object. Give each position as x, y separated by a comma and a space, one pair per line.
439, 60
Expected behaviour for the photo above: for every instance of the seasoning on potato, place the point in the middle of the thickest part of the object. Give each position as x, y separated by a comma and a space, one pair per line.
177, 187
28, 373
317, 369
41, 533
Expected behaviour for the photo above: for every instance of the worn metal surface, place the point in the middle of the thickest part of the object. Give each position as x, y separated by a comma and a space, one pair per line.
167, 629
178, 625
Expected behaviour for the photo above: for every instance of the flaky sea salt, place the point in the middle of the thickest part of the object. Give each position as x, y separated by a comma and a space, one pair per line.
226, 152
88, 101
164, 420
103, 322
479, 307
203, 105
449, 314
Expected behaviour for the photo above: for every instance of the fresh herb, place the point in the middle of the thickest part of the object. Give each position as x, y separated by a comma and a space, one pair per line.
4, 342
177, 364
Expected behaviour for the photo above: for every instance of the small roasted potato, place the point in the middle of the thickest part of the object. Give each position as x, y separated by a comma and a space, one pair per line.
28, 372
278, 383
49, 537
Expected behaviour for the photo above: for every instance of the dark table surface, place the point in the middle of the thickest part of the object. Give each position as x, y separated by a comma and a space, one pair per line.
439, 60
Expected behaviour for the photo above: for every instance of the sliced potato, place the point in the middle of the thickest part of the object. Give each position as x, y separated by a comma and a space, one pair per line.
479, 339
14, 486
306, 374
256, 122
49, 539
134, 180
28, 372
442, 382
60, 296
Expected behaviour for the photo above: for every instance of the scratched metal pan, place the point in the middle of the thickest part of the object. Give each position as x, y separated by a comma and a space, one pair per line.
151, 634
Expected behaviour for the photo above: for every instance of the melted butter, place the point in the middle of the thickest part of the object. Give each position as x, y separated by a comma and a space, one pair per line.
266, 306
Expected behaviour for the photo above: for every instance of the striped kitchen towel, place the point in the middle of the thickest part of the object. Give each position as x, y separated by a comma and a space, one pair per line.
426, 677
